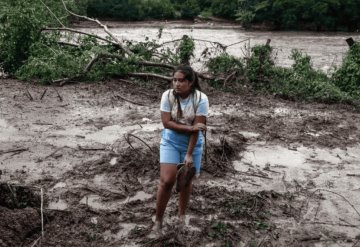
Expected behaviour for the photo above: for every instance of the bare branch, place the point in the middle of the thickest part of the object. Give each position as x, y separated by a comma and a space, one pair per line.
120, 57
118, 42
67, 43
150, 75
237, 42
80, 32
223, 47
152, 64
130, 101
52, 13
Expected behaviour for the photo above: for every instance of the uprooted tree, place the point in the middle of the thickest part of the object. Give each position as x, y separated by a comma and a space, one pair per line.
36, 43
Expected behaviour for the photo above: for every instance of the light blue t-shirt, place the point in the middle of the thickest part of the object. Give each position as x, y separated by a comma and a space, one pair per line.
187, 106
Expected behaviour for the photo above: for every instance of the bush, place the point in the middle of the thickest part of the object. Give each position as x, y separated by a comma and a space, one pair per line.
189, 9
159, 9
20, 22
186, 49
303, 82
64, 61
347, 77
225, 63
226, 9
260, 66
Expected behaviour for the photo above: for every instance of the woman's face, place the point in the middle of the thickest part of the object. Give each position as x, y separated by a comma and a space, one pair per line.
181, 85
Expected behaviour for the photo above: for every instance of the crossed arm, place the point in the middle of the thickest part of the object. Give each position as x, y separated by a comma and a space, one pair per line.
193, 130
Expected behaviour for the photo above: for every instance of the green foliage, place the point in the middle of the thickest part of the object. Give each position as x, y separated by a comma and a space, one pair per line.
347, 77
260, 66
226, 9
225, 63
245, 16
69, 62
20, 25
186, 49
206, 13
158, 9
189, 9
300, 82
62, 63
218, 230
303, 82
302, 14
260, 225
131, 10
281, 14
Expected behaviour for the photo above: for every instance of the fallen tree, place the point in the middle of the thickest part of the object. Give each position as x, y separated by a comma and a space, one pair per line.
54, 53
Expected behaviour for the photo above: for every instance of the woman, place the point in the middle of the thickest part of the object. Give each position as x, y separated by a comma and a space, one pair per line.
184, 110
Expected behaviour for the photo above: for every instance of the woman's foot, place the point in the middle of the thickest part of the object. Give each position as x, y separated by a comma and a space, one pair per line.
181, 222
156, 230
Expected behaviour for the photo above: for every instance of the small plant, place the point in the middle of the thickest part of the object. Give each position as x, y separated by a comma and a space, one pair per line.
218, 230
260, 66
347, 77
260, 225
186, 49
225, 63
304, 82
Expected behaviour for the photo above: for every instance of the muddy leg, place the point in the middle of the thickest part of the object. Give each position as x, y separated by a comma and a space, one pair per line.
167, 180
184, 200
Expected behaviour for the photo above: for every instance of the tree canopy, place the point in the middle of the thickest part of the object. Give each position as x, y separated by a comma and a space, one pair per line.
278, 14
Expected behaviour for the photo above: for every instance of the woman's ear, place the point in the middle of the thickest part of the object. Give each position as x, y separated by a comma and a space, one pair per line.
191, 84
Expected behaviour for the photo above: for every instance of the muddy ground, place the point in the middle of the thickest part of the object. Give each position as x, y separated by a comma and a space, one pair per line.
278, 173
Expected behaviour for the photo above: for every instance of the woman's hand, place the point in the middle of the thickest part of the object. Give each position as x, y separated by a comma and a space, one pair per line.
199, 127
188, 160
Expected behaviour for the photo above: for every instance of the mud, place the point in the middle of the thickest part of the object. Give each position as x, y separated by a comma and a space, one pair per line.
278, 173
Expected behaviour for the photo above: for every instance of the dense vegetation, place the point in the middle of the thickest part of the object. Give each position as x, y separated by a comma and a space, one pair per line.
276, 14
32, 47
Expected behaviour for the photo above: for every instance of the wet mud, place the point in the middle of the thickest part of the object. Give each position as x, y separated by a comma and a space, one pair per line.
277, 173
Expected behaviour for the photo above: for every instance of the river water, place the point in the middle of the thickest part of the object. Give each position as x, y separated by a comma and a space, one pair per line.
326, 49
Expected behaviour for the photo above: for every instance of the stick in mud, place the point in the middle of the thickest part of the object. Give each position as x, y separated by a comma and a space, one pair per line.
29, 95
43, 94
59, 96
16, 150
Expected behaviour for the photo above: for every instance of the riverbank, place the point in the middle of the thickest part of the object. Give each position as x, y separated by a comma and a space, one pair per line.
213, 23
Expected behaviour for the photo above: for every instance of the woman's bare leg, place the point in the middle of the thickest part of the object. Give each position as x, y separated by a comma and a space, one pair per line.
184, 200
167, 180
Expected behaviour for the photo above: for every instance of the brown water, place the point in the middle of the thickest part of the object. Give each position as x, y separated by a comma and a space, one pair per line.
326, 49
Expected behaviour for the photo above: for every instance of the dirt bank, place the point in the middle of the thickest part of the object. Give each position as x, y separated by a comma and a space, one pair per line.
279, 173
214, 23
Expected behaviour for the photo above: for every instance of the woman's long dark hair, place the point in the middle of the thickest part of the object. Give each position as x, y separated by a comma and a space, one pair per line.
191, 76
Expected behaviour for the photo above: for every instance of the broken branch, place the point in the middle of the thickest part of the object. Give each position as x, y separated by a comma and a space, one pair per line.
130, 101
128, 135
79, 32
150, 75
126, 50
